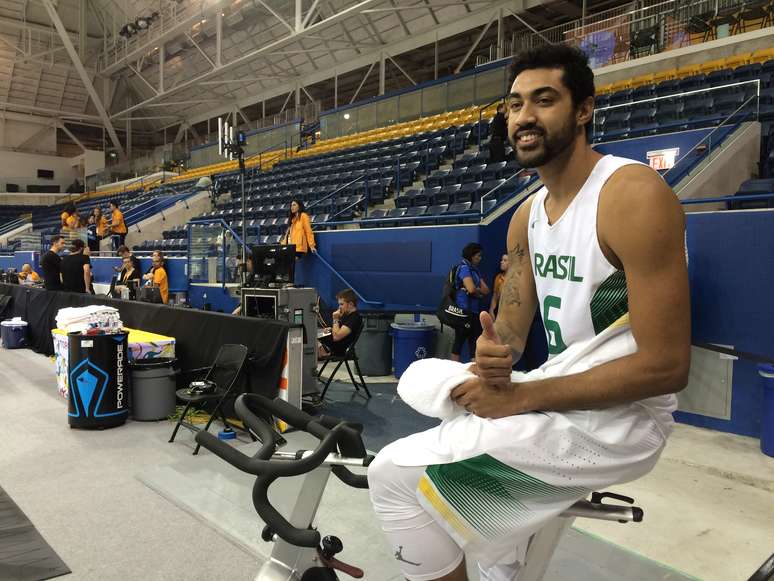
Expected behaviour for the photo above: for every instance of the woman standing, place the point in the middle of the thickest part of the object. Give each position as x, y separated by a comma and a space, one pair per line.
299, 230
102, 223
158, 276
498, 286
470, 288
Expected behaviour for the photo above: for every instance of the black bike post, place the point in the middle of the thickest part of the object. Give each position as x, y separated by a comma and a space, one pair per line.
241, 154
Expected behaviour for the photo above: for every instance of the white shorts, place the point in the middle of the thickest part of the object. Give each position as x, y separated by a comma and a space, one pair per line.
488, 500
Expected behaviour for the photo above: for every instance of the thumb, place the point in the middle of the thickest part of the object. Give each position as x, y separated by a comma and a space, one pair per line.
487, 324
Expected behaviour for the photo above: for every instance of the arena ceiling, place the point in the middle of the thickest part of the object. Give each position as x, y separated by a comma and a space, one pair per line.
187, 61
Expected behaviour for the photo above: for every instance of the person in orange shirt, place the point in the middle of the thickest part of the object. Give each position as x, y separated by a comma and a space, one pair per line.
74, 220
117, 226
498, 286
67, 212
158, 277
102, 224
27, 275
299, 230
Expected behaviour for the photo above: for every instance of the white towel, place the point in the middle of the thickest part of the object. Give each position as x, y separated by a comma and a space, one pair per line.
427, 383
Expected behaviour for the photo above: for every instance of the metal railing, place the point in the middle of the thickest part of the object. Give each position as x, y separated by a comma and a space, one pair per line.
727, 199
708, 138
348, 284
340, 188
171, 15
13, 225
634, 104
521, 173
622, 33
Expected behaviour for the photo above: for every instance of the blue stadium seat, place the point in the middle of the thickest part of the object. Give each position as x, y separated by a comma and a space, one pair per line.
464, 160
697, 111
643, 119
669, 113
751, 188
668, 87
375, 215
620, 97
724, 105
414, 212
455, 176
489, 185
494, 171
395, 213
693, 83
426, 196
644, 92
721, 77
446, 194
489, 206
468, 192
406, 199
474, 173
437, 210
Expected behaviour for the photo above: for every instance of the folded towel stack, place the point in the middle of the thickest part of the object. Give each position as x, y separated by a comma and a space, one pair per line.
99, 318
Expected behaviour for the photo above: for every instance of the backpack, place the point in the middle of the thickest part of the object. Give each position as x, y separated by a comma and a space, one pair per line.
448, 312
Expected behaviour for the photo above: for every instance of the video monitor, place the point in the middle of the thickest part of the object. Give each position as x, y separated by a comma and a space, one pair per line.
274, 264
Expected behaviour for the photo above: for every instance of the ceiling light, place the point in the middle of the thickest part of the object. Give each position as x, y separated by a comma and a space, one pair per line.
203, 20
346, 115
142, 22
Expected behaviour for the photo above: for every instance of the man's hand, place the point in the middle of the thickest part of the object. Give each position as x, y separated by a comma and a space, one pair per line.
482, 400
494, 361
336, 315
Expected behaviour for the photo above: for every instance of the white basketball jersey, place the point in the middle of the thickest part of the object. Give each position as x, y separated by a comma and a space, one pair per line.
580, 294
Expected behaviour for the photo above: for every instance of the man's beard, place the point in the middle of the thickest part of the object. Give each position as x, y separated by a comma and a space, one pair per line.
552, 145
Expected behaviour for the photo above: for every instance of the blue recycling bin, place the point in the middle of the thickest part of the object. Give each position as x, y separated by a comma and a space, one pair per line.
766, 371
410, 342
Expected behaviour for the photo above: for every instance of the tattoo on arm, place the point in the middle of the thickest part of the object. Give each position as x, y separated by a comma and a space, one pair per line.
510, 292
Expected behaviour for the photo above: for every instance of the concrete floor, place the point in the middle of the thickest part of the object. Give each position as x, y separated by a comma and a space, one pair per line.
709, 504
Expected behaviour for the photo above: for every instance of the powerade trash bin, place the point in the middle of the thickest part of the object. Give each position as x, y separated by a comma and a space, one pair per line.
766, 371
98, 372
374, 347
153, 388
411, 341
13, 333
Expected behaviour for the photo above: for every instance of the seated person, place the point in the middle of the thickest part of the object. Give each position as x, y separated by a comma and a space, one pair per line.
515, 450
158, 277
28, 276
126, 274
346, 325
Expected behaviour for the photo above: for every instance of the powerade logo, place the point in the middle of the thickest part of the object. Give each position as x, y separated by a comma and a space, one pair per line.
119, 378
88, 384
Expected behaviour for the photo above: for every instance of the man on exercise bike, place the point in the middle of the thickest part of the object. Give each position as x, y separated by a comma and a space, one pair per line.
600, 251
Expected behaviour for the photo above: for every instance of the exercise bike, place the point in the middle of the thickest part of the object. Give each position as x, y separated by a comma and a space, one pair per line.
300, 553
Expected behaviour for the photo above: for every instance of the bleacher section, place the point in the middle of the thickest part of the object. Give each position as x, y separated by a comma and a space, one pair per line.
644, 106
345, 184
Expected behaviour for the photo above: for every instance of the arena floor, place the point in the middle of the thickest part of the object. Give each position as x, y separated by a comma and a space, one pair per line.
125, 504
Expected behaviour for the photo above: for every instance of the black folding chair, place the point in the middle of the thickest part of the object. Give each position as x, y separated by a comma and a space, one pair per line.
349, 355
223, 373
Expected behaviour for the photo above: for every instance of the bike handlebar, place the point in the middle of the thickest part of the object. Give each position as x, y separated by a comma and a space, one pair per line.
329, 431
